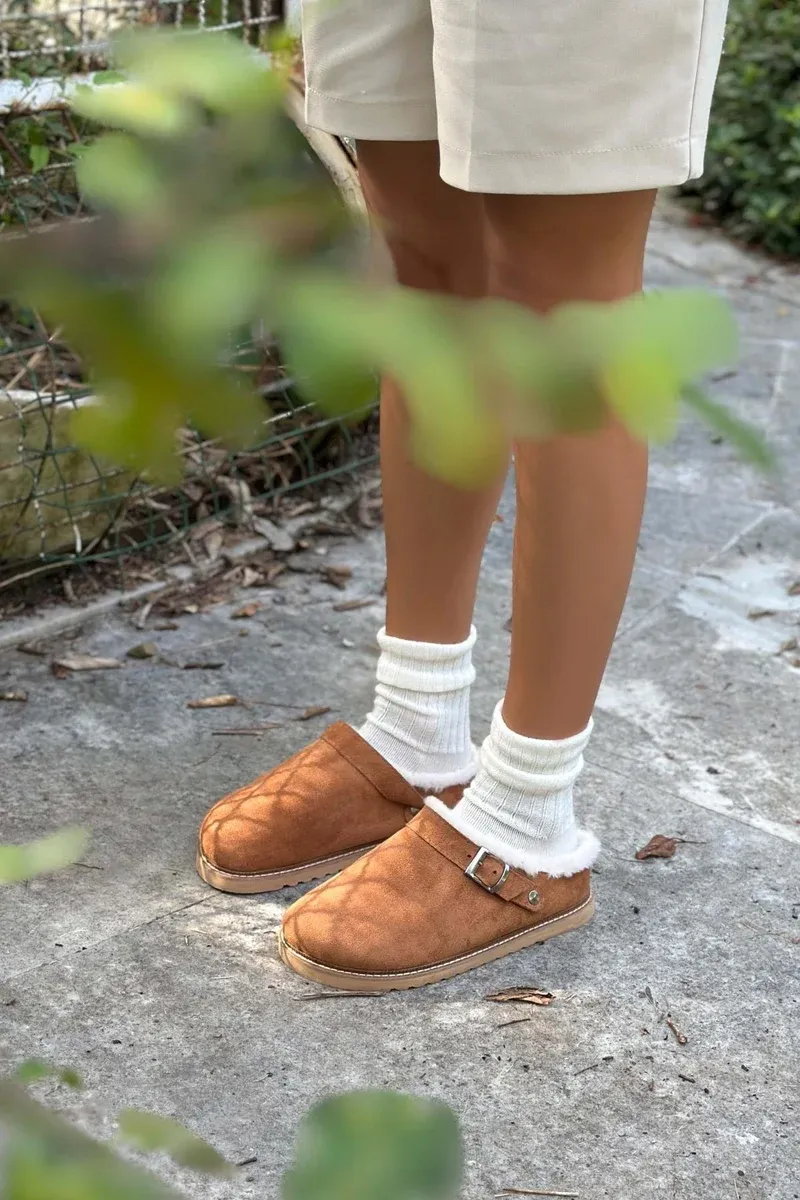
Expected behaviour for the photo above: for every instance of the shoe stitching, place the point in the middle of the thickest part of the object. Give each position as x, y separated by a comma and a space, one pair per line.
435, 966
318, 862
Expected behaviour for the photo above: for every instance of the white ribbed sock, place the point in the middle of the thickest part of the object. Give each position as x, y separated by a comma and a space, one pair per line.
519, 805
420, 720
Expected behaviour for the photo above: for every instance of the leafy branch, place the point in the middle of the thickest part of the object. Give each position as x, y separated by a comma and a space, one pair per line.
212, 216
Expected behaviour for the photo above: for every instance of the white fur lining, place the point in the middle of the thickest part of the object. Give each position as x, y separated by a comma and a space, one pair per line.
555, 863
437, 782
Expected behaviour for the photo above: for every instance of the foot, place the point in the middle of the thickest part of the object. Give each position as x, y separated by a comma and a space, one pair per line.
425, 905
311, 816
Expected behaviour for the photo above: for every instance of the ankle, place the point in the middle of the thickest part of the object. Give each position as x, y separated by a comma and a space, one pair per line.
420, 718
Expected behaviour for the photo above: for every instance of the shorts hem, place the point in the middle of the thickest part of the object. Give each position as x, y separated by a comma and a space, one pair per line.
632, 169
371, 120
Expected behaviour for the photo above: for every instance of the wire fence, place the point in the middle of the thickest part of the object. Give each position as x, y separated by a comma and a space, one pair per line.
50, 37
58, 505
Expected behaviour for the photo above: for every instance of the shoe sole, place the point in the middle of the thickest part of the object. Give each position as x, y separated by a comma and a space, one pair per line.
253, 883
352, 981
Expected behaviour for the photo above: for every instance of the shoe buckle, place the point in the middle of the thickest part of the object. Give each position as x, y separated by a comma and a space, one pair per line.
472, 871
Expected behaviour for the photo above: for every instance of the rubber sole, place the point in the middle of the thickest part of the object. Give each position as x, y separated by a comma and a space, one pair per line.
254, 883
352, 981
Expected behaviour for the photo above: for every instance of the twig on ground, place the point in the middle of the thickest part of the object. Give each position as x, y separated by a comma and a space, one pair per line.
535, 1192
141, 619
680, 1037
248, 730
351, 605
593, 1066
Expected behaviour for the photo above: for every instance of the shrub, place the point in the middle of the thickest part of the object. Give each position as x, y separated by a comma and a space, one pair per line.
752, 178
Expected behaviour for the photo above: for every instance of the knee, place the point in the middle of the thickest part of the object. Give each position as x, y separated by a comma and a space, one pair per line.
433, 261
547, 250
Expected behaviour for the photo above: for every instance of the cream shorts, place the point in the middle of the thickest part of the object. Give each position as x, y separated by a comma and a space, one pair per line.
523, 96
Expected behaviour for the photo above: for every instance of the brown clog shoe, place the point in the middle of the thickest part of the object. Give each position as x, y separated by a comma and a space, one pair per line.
311, 816
423, 906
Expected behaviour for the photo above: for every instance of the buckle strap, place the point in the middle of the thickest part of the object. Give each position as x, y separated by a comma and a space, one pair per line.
496, 877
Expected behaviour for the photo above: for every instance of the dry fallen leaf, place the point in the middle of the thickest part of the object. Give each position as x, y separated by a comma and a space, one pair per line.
84, 662
143, 650
794, 590
224, 701
213, 545
315, 710
659, 846
162, 626
274, 571
250, 577
277, 538
523, 995
202, 666
789, 644
191, 609
33, 648
756, 614
336, 575
20, 697
247, 610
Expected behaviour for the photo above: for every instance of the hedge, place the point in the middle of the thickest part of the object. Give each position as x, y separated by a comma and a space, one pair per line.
752, 177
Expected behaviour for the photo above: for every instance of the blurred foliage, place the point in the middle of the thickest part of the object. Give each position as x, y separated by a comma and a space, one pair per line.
358, 1146
372, 1145
376, 1145
18, 863
153, 1134
214, 216
752, 172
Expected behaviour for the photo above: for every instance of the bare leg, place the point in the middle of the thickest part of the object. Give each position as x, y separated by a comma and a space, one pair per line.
435, 533
579, 499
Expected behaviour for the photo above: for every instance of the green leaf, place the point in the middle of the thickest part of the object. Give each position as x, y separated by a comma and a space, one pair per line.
376, 1146
146, 392
46, 1158
221, 72
412, 338
747, 440
639, 352
694, 330
120, 429
116, 172
34, 1070
209, 287
133, 106
685, 330
642, 389
150, 1132
537, 388
18, 863
39, 156
102, 78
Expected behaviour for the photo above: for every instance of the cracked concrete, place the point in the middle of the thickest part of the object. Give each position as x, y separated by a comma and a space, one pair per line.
168, 996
